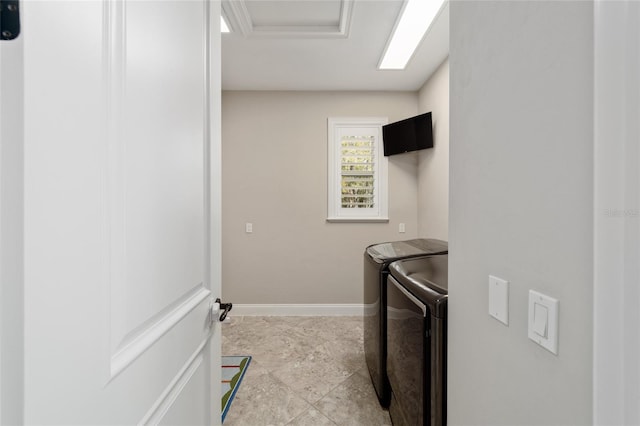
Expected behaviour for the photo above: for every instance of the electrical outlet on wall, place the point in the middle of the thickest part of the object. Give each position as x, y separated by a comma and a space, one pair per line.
499, 299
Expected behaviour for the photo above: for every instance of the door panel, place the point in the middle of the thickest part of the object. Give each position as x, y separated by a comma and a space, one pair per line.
163, 82
118, 231
157, 172
186, 401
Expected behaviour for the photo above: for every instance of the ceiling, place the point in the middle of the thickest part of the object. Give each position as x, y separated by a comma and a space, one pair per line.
322, 45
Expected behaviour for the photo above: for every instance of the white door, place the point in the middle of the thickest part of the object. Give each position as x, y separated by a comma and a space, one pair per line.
121, 232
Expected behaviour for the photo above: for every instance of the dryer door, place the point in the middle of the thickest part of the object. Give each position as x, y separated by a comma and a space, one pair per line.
407, 340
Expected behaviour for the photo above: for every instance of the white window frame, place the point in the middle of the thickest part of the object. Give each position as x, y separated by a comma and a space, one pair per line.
336, 213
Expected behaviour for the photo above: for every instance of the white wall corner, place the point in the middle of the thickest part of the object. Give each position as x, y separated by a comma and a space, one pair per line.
616, 298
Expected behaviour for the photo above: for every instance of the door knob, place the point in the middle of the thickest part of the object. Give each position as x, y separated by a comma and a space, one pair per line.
217, 307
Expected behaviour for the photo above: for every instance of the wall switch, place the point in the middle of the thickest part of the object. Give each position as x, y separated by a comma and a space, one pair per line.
540, 320
401, 228
543, 321
248, 228
499, 299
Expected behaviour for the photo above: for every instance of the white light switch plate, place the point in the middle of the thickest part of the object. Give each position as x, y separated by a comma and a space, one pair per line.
499, 299
543, 321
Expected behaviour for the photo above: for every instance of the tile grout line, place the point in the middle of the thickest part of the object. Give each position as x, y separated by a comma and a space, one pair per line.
308, 336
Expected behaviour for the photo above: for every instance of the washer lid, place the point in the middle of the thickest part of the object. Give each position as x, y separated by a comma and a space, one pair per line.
426, 278
409, 248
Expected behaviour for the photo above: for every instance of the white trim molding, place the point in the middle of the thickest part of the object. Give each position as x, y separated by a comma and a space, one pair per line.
146, 335
12, 272
616, 297
239, 19
298, 310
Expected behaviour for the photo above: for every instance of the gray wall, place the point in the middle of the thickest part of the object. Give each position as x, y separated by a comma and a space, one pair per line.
433, 164
521, 191
274, 175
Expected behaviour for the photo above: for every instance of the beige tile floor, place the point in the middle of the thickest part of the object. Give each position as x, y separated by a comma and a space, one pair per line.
304, 371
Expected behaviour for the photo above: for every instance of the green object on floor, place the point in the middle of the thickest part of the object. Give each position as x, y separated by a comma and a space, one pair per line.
233, 369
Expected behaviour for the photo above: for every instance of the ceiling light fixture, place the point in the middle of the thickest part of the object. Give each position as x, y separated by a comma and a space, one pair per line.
415, 20
224, 28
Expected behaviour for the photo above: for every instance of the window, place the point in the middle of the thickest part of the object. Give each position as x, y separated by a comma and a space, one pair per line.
357, 170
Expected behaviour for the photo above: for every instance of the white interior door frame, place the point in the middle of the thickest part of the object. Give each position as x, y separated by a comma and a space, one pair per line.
213, 197
616, 365
11, 232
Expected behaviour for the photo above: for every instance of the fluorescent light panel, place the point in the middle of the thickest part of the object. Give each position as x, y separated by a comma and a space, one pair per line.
415, 20
224, 28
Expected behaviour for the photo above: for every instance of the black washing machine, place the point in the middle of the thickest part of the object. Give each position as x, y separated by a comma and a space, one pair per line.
417, 341
377, 258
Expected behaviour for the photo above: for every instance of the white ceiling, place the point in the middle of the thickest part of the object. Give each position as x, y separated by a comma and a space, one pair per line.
322, 45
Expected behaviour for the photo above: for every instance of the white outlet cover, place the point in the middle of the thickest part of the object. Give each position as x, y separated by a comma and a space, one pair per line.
547, 337
499, 299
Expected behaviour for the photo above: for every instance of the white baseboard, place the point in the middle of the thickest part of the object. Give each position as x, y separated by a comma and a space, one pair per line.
294, 310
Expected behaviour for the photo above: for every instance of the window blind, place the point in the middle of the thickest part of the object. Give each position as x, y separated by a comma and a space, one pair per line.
357, 172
